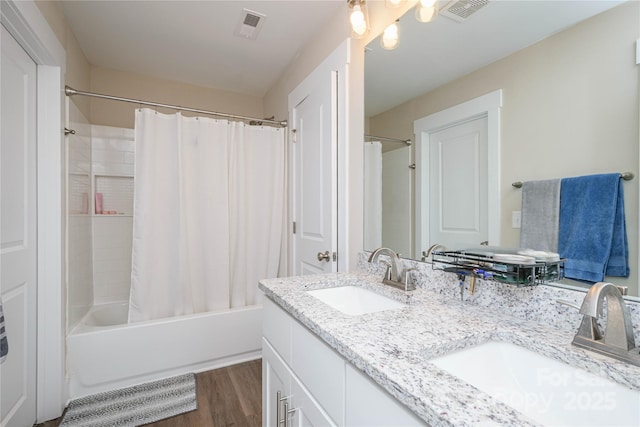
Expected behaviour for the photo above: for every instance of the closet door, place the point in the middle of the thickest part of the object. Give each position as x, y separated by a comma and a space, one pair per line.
18, 233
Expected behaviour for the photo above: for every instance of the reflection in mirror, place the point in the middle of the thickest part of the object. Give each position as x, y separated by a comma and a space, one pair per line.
569, 83
388, 194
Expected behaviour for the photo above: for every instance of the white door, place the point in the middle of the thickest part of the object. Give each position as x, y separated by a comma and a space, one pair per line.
396, 201
314, 170
18, 233
458, 185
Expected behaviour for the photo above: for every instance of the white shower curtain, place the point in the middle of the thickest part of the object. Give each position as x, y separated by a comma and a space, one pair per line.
208, 206
372, 195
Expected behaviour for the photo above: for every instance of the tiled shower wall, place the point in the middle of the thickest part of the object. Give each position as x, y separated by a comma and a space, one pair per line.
99, 159
113, 169
79, 234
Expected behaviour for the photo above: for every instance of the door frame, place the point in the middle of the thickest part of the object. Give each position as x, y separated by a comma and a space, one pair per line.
488, 105
28, 26
337, 62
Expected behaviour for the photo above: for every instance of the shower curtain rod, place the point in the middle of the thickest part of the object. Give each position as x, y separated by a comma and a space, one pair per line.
69, 91
384, 138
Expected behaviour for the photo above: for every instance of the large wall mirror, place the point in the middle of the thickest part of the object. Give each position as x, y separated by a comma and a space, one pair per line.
568, 81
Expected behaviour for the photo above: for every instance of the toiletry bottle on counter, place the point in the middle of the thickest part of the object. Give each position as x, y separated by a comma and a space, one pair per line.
98, 203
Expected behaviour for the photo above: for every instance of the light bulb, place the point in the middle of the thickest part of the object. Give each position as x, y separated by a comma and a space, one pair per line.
426, 10
390, 39
358, 21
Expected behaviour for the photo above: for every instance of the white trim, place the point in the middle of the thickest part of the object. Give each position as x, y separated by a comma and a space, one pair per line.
27, 25
338, 62
344, 195
51, 387
489, 105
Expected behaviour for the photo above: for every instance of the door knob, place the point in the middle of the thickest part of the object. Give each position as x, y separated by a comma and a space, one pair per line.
324, 256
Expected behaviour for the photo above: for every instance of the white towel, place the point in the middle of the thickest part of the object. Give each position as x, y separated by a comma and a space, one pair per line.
540, 215
4, 344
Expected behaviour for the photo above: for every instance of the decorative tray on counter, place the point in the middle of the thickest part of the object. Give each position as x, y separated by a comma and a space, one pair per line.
503, 268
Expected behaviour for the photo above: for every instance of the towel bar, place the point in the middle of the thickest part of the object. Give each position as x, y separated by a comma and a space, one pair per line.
627, 176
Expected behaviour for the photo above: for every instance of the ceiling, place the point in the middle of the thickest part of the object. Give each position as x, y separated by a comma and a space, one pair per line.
194, 42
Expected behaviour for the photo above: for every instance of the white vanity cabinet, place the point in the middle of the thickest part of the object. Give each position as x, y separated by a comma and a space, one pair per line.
287, 401
284, 398
318, 386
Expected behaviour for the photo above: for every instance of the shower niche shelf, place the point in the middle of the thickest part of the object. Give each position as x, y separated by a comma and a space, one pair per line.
117, 195
487, 268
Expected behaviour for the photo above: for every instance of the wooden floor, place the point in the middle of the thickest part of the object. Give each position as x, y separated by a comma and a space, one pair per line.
230, 396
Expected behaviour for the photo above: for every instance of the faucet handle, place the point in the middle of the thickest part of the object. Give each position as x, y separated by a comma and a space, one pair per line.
387, 273
405, 279
588, 326
405, 273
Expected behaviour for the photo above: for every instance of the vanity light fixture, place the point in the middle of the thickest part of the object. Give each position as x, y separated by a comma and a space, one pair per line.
358, 18
390, 39
426, 10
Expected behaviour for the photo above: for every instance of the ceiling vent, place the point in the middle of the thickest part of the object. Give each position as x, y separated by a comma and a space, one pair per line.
460, 10
249, 24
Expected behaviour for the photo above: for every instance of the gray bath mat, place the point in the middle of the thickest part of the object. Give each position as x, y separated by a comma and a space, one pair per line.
134, 406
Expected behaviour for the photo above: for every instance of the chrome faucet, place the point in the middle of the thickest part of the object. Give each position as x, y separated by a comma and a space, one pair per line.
618, 340
396, 275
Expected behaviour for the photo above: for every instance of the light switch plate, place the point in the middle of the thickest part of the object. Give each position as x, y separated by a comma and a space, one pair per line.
638, 51
516, 219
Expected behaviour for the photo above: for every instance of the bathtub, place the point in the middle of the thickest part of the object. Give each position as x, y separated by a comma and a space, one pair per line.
105, 353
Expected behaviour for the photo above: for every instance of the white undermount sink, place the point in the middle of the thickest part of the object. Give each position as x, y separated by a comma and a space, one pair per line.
546, 390
354, 300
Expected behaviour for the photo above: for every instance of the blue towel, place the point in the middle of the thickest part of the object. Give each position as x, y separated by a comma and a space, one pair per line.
592, 232
4, 345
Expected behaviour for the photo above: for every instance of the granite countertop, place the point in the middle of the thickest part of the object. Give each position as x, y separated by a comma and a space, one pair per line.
394, 347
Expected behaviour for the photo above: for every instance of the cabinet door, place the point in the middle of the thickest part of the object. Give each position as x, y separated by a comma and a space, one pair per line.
367, 404
306, 411
276, 381
320, 369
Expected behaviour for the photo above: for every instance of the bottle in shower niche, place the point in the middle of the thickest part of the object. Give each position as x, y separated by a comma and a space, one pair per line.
99, 203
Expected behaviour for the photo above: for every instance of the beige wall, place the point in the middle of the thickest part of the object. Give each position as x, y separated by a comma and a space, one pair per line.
78, 68
309, 57
129, 85
81, 75
570, 107
321, 45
